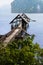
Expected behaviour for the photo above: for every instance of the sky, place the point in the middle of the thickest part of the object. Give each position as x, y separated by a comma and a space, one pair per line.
5, 2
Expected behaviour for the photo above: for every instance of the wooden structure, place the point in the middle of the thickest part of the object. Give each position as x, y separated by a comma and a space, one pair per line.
18, 24
23, 19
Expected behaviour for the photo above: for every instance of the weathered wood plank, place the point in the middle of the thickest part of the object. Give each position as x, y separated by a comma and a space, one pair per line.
13, 35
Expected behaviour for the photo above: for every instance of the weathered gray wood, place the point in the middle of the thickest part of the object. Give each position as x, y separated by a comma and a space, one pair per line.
13, 35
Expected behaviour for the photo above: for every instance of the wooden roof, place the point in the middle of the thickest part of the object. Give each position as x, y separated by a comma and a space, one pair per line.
23, 16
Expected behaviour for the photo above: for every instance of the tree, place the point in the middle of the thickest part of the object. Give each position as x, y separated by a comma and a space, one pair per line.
22, 52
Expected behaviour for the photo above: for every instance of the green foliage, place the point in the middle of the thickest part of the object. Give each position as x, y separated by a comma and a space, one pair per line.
22, 52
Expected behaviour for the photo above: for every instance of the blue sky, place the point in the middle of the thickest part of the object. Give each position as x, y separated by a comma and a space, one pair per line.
5, 2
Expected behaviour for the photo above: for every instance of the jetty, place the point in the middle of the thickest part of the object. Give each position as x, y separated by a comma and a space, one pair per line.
18, 26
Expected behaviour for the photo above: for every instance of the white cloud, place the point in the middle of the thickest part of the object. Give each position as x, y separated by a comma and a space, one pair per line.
5, 2
38, 6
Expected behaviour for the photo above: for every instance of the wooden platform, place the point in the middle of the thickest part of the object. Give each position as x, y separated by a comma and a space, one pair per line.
15, 32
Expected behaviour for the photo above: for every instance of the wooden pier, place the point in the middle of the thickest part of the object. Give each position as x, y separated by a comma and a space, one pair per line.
14, 34
18, 24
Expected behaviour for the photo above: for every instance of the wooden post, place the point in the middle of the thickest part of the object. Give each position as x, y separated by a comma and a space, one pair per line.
12, 26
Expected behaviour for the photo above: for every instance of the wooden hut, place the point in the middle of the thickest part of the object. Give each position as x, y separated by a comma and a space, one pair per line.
18, 27
23, 19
